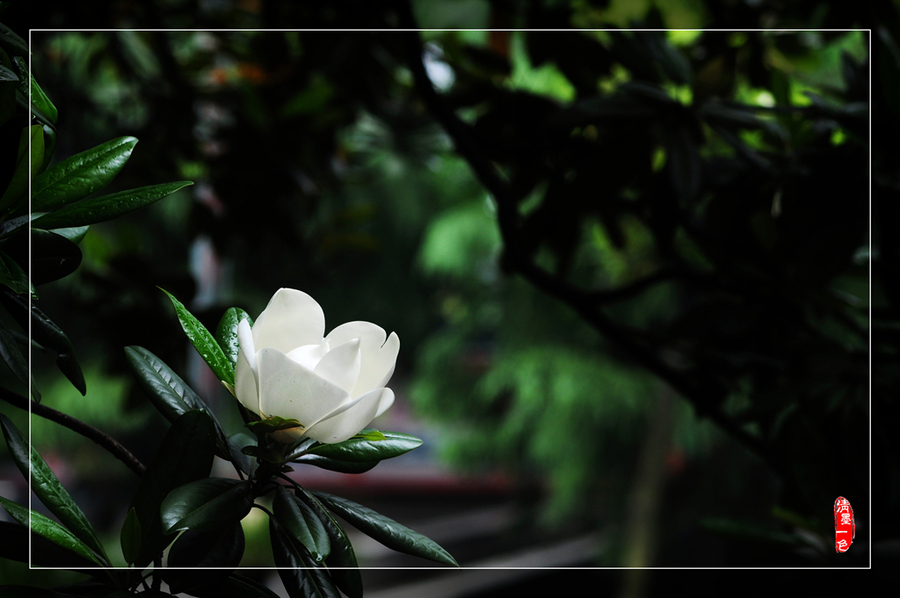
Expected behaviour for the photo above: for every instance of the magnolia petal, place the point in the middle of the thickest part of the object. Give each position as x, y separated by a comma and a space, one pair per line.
340, 366
289, 390
378, 366
309, 356
352, 418
371, 336
246, 385
387, 399
291, 319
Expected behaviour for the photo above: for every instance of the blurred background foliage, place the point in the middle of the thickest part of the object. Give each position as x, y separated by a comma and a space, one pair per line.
695, 205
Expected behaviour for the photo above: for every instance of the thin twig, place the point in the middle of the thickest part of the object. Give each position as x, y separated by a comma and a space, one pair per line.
79, 427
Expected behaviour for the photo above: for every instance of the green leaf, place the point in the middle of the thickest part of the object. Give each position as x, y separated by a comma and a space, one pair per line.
204, 342
9, 39
296, 580
186, 455
205, 560
49, 529
236, 443
207, 504
81, 175
226, 333
107, 207
13, 357
386, 530
130, 537
38, 98
168, 392
48, 489
27, 166
342, 560
301, 524
12, 275
75, 234
46, 333
368, 448
335, 464
52, 256
22, 545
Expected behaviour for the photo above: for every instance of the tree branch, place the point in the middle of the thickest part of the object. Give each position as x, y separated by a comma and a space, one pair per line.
79, 427
705, 400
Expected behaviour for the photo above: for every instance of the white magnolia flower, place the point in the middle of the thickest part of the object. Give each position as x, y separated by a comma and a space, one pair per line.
333, 385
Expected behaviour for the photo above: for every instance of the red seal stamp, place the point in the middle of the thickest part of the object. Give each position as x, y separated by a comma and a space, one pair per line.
844, 524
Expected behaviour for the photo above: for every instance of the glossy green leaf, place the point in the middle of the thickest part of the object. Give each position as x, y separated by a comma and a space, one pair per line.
75, 234
20, 544
342, 560
12, 355
130, 537
38, 98
301, 524
186, 455
320, 577
47, 488
386, 530
204, 342
52, 256
297, 581
81, 175
28, 164
367, 448
49, 529
226, 333
168, 392
336, 464
206, 504
107, 207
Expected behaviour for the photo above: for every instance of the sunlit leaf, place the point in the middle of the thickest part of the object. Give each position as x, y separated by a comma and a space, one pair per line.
368, 448
80, 175
204, 342
107, 207
226, 333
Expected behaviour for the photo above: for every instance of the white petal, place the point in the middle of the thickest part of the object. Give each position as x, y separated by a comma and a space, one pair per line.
309, 356
387, 399
340, 366
246, 382
246, 344
348, 420
370, 336
289, 390
291, 319
378, 366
